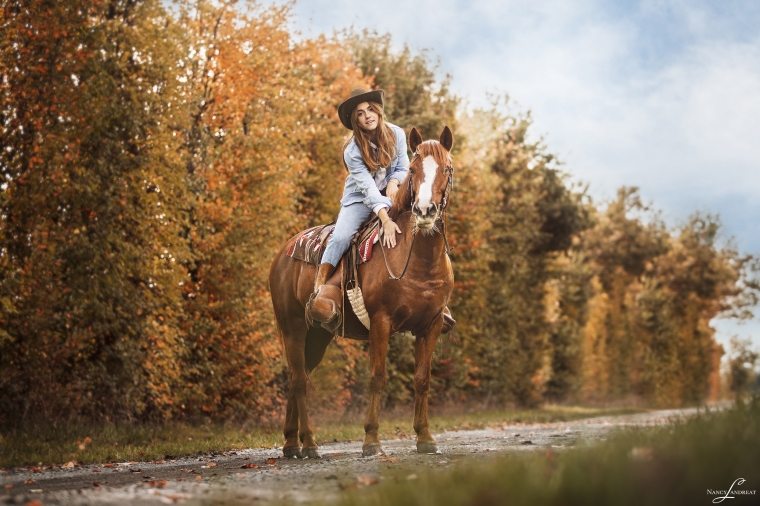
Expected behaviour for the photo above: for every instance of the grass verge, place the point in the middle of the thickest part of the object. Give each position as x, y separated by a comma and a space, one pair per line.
677, 464
85, 444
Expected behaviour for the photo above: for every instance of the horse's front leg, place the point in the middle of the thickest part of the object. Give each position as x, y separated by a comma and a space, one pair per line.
424, 346
378, 347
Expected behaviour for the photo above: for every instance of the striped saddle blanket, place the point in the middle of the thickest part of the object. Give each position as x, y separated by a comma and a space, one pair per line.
310, 244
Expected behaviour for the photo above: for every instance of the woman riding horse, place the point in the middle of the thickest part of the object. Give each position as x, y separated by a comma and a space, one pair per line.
376, 160
414, 301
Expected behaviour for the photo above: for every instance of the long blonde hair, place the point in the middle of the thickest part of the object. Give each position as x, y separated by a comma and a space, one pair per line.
386, 140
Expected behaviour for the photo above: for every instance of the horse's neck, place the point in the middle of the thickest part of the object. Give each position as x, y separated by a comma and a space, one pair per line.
430, 247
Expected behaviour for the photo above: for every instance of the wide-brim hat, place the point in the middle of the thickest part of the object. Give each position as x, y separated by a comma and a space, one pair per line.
358, 96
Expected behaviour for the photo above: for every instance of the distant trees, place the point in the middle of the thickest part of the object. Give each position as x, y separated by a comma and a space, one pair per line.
742, 363
153, 159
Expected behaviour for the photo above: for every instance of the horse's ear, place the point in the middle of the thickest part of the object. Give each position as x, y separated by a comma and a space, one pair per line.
415, 139
447, 138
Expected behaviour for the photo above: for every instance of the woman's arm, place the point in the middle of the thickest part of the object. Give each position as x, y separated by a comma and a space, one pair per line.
360, 173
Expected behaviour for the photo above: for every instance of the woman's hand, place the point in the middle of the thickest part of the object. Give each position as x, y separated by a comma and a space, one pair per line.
388, 230
392, 189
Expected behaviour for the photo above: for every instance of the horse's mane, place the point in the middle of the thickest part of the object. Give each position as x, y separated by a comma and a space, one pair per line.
403, 200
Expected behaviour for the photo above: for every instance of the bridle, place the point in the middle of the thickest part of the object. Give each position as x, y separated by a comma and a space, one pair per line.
449, 184
444, 204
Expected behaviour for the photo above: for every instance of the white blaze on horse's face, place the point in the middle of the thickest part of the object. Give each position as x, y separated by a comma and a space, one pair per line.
429, 170
425, 210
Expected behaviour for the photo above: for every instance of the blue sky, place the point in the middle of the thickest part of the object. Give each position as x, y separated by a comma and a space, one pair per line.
663, 95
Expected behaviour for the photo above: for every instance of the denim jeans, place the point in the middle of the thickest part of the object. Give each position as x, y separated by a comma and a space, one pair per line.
350, 219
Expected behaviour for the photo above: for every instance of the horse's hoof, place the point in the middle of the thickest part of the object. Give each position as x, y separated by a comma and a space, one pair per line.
370, 450
291, 451
311, 453
427, 447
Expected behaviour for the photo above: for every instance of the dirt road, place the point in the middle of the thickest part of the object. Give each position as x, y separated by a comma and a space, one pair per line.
262, 475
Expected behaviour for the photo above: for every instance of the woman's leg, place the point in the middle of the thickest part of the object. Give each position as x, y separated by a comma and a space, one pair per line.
350, 219
324, 306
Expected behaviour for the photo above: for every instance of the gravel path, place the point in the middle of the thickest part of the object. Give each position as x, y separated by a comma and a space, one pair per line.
262, 475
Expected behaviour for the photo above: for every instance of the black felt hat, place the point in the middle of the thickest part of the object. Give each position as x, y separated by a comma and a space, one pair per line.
358, 96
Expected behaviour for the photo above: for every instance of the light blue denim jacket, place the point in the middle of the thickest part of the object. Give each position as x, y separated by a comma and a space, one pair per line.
360, 185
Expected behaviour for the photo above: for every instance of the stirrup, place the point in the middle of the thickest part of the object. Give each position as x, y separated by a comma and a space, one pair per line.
448, 323
329, 319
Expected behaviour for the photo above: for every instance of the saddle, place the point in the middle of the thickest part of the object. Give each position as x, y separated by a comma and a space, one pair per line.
310, 244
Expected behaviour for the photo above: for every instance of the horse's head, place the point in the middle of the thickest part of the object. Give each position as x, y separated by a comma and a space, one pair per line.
430, 178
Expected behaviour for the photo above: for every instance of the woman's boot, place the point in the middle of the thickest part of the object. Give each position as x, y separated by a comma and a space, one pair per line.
324, 304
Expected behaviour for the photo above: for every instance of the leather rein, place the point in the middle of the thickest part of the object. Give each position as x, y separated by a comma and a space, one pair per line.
444, 204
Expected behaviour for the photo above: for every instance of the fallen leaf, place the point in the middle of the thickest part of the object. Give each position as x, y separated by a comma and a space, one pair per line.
336, 454
157, 483
95, 470
108, 465
135, 470
249, 466
33, 502
87, 440
69, 465
241, 475
9, 485
198, 478
212, 464
366, 480
180, 479
271, 461
349, 486
81, 447
96, 485
383, 458
35, 470
30, 481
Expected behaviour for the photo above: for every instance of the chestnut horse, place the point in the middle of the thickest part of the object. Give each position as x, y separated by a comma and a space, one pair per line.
414, 303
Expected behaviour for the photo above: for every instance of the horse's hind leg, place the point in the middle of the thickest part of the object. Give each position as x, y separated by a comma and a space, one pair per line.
317, 340
294, 338
424, 346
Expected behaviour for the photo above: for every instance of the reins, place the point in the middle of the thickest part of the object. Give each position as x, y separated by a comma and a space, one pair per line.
442, 217
408, 257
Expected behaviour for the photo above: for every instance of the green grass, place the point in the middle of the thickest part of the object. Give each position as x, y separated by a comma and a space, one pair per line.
119, 443
671, 465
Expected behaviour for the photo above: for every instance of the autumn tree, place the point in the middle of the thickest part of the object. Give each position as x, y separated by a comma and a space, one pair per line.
91, 249
535, 216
